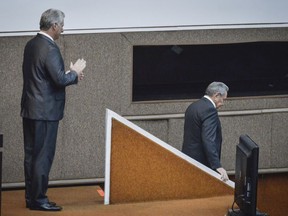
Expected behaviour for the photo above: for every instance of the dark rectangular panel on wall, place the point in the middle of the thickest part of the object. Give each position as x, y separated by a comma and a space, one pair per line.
171, 72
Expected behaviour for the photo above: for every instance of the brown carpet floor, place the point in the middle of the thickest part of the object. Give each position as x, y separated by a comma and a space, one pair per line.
86, 201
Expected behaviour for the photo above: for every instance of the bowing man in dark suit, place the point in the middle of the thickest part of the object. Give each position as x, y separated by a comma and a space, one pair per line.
202, 128
42, 105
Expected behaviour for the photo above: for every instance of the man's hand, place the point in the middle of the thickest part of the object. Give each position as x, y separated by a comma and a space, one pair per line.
78, 67
223, 173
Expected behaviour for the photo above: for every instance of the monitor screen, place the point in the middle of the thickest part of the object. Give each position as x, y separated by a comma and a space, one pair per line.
246, 175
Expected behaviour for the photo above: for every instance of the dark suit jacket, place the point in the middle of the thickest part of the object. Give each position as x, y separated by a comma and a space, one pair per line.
43, 96
202, 133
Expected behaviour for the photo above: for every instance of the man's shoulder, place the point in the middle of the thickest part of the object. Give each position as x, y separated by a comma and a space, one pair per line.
196, 105
40, 44
200, 102
202, 105
39, 38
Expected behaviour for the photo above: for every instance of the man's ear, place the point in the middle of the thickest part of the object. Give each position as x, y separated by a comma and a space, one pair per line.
54, 26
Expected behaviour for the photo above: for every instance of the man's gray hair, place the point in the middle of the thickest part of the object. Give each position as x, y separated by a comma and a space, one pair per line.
216, 87
50, 17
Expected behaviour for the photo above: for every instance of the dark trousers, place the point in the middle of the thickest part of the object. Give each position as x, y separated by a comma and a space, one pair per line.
39, 147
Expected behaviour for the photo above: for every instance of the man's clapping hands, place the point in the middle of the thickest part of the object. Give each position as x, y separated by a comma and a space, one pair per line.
78, 67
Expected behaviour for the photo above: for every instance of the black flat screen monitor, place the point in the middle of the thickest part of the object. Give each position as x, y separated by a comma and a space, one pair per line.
246, 175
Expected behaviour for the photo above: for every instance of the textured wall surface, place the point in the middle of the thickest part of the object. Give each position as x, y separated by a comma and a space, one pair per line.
108, 84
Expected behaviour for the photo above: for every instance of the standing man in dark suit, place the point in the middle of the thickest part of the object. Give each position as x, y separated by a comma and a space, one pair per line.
202, 128
42, 105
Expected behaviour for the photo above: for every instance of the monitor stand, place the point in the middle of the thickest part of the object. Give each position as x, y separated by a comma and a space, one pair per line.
237, 212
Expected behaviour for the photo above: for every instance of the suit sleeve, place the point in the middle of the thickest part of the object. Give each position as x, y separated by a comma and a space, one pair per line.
55, 67
209, 137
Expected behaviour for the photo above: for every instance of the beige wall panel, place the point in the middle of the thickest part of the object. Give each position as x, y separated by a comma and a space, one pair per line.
108, 84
